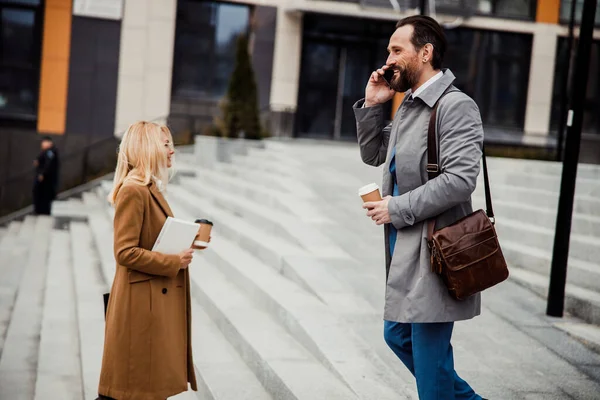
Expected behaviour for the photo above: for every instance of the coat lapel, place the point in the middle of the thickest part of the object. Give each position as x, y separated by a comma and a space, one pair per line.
160, 199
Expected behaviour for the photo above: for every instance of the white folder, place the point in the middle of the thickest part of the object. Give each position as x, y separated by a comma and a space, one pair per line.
176, 236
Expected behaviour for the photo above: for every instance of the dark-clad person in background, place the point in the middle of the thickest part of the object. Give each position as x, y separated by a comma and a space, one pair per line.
45, 183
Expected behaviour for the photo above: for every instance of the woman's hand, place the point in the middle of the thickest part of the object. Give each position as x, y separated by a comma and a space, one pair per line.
185, 258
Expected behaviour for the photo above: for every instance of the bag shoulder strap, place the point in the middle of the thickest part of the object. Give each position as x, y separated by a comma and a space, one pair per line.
433, 168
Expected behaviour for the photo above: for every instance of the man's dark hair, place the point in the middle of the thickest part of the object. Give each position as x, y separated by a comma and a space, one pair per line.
427, 30
47, 138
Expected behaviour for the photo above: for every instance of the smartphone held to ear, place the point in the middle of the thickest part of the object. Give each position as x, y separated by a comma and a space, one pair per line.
388, 75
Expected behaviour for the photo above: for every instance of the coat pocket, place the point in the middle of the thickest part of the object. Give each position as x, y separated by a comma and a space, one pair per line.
137, 276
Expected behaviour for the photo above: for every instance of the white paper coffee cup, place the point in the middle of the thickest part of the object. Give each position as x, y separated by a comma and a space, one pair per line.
371, 187
370, 192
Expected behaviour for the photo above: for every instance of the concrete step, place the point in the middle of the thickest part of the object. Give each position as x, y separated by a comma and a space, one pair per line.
579, 302
337, 281
268, 179
585, 186
582, 224
89, 287
12, 229
345, 227
587, 205
584, 248
587, 334
267, 196
102, 231
70, 208
329, 170
3, 232
513, 173
12, 249
59, 366
285, 368
221, 371
551, 168
310, 209
18, 364
274, 165
306, 181
251, 274
310, 272
319, 328
278, 223
580, 273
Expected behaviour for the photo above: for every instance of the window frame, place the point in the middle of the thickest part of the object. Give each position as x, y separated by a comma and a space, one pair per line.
22, 119
208, 95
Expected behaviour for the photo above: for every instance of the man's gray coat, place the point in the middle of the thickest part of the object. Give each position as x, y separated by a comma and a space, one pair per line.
413, 292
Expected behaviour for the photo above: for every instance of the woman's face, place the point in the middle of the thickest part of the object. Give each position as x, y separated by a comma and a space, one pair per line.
169, 151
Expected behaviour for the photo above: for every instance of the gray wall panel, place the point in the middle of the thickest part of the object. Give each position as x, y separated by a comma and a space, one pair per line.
264, 23
93, 76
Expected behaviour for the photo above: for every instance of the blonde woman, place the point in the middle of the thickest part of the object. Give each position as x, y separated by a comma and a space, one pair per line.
147, 347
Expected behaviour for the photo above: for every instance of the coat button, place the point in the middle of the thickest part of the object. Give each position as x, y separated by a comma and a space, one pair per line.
164, 291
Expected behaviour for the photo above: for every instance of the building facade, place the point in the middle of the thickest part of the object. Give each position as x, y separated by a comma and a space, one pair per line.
312, 59
83, 70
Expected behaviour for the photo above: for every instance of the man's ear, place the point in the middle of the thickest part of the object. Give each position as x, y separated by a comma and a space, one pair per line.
427, 52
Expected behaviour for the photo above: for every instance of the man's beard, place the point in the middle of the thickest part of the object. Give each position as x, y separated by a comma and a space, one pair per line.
406, 79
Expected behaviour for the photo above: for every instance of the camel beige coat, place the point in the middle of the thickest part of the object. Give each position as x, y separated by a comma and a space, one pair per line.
147, 347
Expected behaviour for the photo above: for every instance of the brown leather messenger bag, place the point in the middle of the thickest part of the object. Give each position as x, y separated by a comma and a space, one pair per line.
466, 254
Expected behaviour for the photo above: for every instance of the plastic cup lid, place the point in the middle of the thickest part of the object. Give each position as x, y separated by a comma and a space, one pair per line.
203, 221
371, 187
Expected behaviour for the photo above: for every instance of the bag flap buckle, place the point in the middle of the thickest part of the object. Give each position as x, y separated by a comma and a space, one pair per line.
433, 168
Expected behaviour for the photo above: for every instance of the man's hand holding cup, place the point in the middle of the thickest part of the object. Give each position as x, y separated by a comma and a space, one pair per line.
376, 206
379, 211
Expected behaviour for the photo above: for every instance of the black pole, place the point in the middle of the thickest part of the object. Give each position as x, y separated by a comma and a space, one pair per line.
564, 100
560, 256
422, 5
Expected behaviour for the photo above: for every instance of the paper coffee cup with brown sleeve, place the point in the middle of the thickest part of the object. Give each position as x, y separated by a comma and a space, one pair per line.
370, 192
203, 236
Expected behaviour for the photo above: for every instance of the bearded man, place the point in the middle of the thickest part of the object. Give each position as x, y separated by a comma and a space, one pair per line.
419, 313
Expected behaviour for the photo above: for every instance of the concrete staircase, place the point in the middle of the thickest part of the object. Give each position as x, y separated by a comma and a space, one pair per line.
289, 296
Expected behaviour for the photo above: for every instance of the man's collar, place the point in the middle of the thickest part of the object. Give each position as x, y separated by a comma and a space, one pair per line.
428, 83
433, 93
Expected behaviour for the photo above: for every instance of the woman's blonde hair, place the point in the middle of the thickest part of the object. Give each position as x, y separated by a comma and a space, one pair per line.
141, 156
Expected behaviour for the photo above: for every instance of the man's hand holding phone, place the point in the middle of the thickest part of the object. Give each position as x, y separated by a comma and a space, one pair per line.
378, 90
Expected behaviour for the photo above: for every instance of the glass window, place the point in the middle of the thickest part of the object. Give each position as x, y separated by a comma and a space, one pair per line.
205, 42
492, 68
338, 56
522, 9
20, 44
17, 35
320, 64
591, 117
565, 11
24, 2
